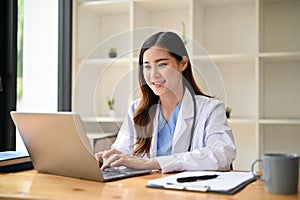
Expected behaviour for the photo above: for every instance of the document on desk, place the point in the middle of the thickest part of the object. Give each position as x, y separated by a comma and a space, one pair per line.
204, 181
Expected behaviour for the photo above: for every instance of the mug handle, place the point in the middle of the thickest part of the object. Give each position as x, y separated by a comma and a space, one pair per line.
253, 171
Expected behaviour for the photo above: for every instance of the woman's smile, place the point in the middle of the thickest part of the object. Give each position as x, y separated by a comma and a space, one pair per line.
158, 84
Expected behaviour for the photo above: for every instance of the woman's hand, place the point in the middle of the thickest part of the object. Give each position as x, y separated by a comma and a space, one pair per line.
103, 155
118, 159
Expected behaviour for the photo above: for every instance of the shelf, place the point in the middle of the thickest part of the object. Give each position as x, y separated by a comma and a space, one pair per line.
162, 5
224, 3
106, 7
93, 61
214, 57
264, 121
241, 121
280, 121
225, 57
243, 52
103, 119
280, 56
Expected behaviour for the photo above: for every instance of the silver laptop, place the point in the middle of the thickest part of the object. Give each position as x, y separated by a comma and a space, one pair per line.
57, 144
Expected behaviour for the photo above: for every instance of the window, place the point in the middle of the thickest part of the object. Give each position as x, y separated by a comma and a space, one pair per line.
38, 58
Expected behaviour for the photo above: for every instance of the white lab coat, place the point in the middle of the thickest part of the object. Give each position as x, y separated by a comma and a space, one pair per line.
213, 146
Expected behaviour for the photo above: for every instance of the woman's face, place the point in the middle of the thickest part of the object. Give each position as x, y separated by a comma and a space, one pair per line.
162, 72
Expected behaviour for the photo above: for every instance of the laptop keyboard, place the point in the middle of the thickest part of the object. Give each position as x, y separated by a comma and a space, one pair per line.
115, 173
112, 172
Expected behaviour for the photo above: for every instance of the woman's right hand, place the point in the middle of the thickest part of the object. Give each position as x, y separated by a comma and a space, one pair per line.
101, 156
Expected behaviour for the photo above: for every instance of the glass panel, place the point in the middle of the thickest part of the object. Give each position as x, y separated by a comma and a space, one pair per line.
37, 58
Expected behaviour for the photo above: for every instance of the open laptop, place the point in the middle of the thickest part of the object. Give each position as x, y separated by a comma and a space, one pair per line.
57, 144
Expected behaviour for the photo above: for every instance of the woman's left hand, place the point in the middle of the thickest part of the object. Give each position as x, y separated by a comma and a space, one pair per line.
117, 160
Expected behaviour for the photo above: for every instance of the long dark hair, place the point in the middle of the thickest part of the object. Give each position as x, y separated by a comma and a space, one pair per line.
144, 114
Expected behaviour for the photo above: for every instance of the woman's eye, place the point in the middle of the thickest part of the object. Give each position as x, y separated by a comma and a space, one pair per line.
147, 66
161, 64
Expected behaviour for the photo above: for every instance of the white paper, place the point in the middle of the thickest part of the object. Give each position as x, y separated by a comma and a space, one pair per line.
224, 182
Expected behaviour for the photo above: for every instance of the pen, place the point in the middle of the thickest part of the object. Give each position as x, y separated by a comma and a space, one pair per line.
195, 178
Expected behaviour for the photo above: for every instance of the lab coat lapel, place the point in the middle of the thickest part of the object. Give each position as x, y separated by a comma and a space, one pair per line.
153, 148
182, 131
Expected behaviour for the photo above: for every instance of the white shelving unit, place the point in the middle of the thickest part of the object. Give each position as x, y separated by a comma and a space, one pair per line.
255, 45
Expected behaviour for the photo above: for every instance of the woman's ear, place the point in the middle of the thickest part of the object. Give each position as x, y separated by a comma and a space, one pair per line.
183, 63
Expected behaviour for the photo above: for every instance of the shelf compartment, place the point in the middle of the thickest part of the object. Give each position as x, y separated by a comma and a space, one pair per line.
279, 25
159, 15
279, 86
225, 28
95, 82
246, 144
240, 88
115, 83
98, 16
280, 138
102, 127
208, 77
101, 141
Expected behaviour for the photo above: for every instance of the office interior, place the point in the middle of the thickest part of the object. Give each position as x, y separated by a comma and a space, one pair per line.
254, 46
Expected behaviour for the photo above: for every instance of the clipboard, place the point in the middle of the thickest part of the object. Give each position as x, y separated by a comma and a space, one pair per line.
224, 183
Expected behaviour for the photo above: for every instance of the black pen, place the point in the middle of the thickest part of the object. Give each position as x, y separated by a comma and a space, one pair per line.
195, 178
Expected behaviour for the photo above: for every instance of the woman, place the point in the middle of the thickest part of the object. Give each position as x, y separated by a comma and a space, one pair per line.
174, 126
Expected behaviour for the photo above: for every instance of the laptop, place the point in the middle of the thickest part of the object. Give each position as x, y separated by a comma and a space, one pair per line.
57, 144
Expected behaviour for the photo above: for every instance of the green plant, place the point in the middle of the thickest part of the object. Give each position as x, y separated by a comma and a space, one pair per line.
228, 111
113, 50
110, 103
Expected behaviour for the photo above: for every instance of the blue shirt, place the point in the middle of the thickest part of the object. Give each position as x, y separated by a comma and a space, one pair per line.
166, 132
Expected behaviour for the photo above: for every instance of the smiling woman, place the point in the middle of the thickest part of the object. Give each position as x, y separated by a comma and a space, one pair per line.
174, 126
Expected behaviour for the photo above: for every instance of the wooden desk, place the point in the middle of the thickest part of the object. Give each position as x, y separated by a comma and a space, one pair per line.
33, 185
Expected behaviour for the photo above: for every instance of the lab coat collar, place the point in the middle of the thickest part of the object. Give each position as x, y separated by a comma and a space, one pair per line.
182, 131
187, 107
153, 148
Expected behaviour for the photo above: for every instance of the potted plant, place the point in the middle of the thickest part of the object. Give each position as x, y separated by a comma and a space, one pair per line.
112, 52
111, 103
228, 111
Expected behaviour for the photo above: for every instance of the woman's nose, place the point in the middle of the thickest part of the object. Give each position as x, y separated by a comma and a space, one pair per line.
155, 72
